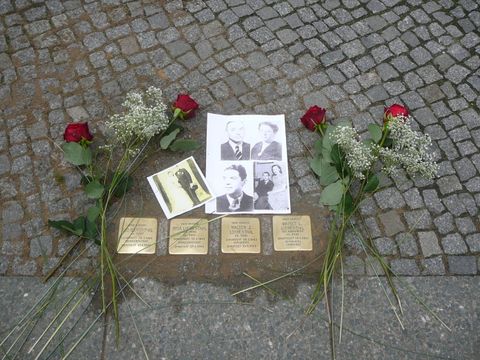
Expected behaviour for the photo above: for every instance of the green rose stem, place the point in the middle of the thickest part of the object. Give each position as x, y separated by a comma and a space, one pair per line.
337, 234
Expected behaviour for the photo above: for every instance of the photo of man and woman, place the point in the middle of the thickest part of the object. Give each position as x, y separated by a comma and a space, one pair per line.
246, 164
180, 188
270, 187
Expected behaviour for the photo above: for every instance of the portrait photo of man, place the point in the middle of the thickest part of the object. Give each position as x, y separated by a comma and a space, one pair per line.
235, 199
267, 148
235, 148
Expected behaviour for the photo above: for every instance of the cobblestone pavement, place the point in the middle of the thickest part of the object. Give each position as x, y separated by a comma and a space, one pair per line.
63, 61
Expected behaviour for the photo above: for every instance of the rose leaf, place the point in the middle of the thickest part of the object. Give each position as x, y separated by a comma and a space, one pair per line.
76, 154
372, 183
167, 139
375, 132
94, 190
332, 194
329, 173
92, 213
184, 145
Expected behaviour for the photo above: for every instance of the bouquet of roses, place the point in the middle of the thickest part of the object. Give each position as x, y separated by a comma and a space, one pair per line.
106, 173
349, 170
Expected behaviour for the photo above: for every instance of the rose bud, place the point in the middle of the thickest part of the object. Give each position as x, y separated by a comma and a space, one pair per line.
76, 132
314, 117
185, 106
394, 111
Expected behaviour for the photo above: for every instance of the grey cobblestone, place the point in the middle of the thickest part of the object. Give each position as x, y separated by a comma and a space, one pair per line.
473, 242
418, 219
454, 205
433, 266
429, 243
465, 225
407, 244
453, 244
462, 265
391, 222
405, 267
389, 199
352, 57
354, 265
449, 184
385, 246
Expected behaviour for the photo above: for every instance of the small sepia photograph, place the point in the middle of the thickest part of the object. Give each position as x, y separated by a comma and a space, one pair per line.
180, 188
235, 186
271, 189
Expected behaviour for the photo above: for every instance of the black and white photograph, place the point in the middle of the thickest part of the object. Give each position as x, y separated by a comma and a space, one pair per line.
238, 146
267, 148
180, 188
236, 189
271, 186
235, 148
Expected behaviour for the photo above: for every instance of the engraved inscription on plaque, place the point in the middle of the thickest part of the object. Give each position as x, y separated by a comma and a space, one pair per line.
188, 236
292, 233
240, 235
137, 235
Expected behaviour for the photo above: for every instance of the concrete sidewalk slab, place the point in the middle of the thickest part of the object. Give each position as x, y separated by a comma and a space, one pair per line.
199, 321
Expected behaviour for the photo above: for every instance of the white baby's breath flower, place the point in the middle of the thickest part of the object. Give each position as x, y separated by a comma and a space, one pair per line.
410, 150
359, 156
145, 116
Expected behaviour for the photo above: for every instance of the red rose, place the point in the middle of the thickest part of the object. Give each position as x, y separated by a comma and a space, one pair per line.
314, 117
394, 111
186, 105
76, 132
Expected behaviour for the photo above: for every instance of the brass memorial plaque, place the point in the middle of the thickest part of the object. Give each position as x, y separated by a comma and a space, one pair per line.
188, 236
292, 233
240, 235
137, 235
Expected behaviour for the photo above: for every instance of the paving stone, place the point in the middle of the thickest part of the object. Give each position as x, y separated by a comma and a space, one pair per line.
465, 225
473, 242
433, 266
454, 205
448, 148
418, 219
374, 267
429, 243
385, 246
453, 244
316, 47
94, 40
41, 246
407, 267
407, 244
353, 48
449, 184
413, 198
389, 199
462, 265
78, 113
465, 169
466, 148
129, 45
308, 184
354, 265
391, 222
457, 73
21, 267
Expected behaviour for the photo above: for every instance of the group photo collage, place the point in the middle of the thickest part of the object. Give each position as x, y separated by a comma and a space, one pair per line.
247, 164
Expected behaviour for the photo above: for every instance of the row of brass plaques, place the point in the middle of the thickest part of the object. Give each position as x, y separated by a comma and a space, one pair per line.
239, 235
